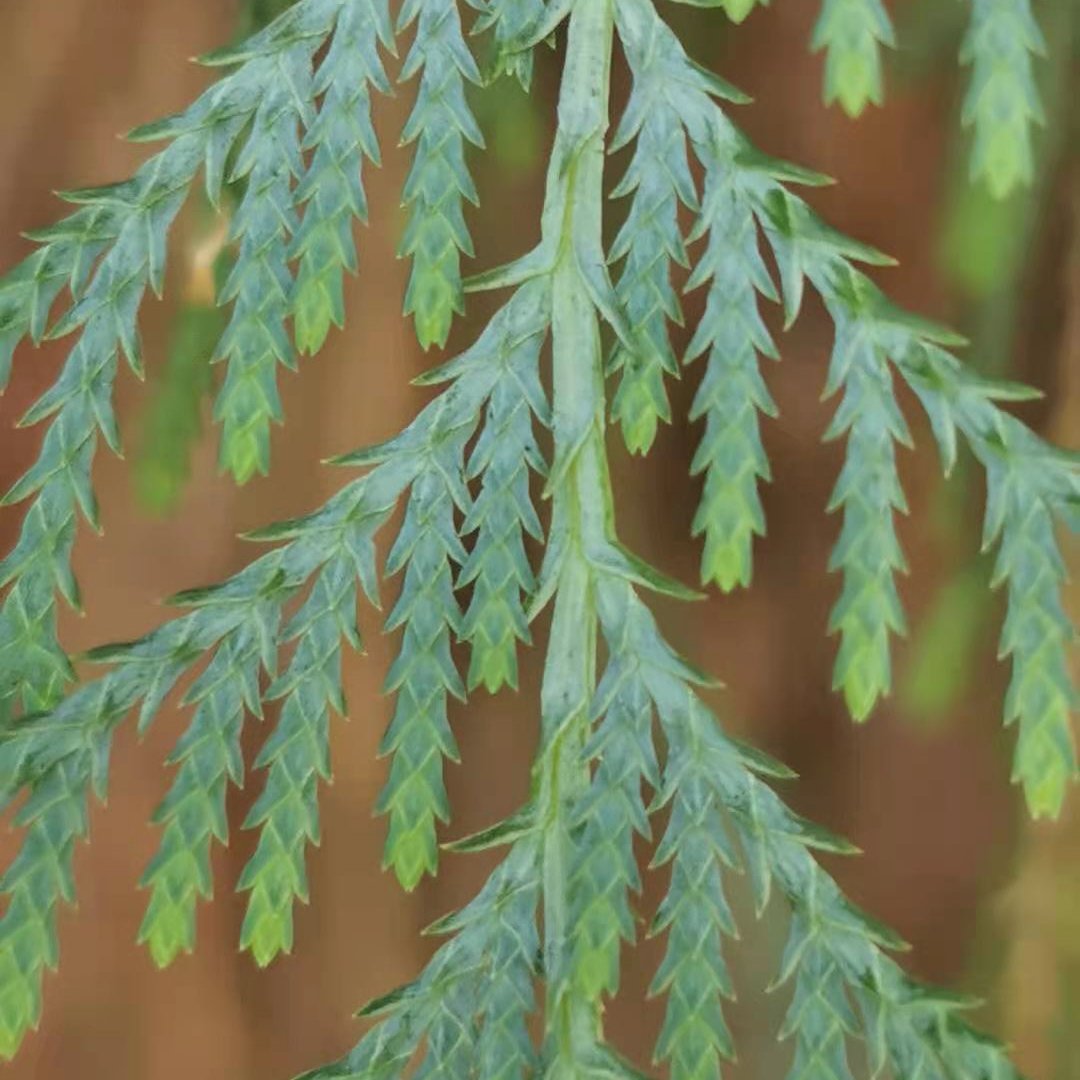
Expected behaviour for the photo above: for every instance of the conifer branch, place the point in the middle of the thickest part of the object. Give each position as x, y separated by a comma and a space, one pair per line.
870, 330
516, 26
193, 813
293, 121
846, 984
247, 126
658, 179
867, 551
327, 554
732, 394
428, 547
38, 879
473, 998
441, 125
581, 523
260, 283
331, 190
612, 813
502, 514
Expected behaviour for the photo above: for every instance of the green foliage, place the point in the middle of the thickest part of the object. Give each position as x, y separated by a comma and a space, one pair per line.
172, 421
1037, 638
868, 551
649, 241
738, 10
696, 917
247, 127
54, 817
501, 515
605, 868
193, 813
852, 33
255, 342
1002, 102
514, 27
1001, 44
440, 125
292, 122
732, 392
338, 141
428, 548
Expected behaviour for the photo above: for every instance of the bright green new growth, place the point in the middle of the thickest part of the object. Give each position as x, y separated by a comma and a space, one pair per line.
439, 182
738, 10
649, 241
852, 33
1037, 637
246, 126
732, 392
292, 120
868, 551
1002, 103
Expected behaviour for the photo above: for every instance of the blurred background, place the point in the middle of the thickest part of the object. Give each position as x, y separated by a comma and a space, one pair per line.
990, 902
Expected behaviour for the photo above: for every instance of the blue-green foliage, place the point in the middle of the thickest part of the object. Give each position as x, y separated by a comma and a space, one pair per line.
297, 753
292, 123
1002, 102
326, 556
852, 33
250, 126
476, 993
868, 489
499, 518
732, 394
696, 918
123, 228
1037, 637
441, 125
193, 813
38, 879
429, 549
514, 27
260, 283
339, 139
658, 179
612, 814
423, 676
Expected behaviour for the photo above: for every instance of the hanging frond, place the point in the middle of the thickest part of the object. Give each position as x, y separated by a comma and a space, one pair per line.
1002, 102
625, 735
251, 126
852, 34
439, 183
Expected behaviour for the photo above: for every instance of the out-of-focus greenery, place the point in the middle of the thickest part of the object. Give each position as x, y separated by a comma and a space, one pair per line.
172, 421
984, 252
1066, 1042
513, 125
256, 13
949, 640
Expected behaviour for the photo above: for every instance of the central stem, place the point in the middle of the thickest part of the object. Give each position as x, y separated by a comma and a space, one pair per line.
581, 510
